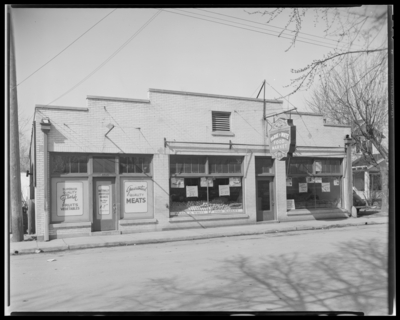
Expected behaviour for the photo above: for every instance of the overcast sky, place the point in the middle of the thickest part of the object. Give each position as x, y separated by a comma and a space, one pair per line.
177, 50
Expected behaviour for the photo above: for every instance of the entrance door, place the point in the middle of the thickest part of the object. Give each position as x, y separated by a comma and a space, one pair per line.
265, 203
104, 207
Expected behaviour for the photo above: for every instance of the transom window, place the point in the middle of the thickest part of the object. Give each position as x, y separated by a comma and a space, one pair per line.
63, 164
134, 164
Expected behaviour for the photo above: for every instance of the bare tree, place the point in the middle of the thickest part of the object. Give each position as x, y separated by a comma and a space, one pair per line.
24, 142
355, 31
355, 93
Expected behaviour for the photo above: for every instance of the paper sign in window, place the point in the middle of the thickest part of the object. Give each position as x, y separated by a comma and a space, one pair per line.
303, 187
336, 182
103, 193
135, 196
288, 182
310, 179
177, 183
318, 179
69, 199
204, 181
224, 190
326, 187
235, 182
192, 192
290, 204
318, 166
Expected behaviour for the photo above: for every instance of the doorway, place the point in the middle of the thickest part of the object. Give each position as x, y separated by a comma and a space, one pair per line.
104, 207
265, 199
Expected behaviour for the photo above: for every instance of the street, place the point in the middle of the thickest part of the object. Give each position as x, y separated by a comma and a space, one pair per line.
341, 269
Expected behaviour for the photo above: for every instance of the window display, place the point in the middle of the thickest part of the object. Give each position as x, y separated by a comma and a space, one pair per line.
310, 191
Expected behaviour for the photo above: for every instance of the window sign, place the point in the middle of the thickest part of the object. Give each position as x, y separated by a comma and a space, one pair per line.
326, 187
310, 179
288, 182
290, 204
224, 190
318, 179
302, 187
177, 182
318, 166
192, 191
235, 182
103, 193
135, 196
69, 198
205, 180
336, 182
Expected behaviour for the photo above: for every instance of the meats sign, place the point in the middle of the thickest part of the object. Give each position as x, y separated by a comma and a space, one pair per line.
282, 138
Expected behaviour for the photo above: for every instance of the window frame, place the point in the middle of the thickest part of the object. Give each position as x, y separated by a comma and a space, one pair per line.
214, 113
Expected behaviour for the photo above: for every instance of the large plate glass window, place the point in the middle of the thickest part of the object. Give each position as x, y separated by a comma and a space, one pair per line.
314, 183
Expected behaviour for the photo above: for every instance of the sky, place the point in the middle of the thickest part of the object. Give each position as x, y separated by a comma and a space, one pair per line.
168, 48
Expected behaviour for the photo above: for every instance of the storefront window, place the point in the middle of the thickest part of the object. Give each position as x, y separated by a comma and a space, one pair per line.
134, 164
64, 164
206, 193
308, 189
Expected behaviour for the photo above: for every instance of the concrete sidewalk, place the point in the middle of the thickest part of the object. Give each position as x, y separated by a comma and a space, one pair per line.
183, 235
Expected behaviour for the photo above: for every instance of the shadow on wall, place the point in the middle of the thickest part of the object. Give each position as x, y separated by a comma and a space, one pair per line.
354, 280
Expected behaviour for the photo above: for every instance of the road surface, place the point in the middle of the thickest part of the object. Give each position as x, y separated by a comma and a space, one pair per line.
340, 269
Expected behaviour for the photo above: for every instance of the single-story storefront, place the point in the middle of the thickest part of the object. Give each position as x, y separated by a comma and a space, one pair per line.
183, 160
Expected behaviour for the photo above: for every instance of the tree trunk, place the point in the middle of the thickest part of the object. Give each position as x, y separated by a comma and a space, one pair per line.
385, 190
31, 216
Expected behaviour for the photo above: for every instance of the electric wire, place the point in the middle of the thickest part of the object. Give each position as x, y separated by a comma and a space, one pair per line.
320, 45
65, 48
110, 57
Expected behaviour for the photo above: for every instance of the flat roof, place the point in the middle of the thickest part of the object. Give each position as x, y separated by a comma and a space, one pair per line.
117, 99
43, 106
211, 95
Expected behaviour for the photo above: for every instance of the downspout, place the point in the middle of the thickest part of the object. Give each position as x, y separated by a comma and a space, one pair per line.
45, 127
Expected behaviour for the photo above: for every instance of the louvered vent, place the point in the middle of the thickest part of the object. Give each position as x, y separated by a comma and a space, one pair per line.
221, 121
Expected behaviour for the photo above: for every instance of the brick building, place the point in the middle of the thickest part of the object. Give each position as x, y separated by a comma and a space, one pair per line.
180, 160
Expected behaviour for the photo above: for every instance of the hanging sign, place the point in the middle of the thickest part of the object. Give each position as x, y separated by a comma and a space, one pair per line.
326, 187
192, 191
204, 181
103, 193
282, 138
288, 182
177, 182
235, 182
290, 204
318, 179
303, 187
224, 190
135, 196
69, 199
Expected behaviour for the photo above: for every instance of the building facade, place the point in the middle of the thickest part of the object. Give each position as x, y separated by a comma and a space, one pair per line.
181, 160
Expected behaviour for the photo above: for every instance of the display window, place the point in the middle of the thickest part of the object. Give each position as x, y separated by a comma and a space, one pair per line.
314, 183
206, 193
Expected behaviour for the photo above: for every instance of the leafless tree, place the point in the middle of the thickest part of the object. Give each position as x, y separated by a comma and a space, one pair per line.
24, 142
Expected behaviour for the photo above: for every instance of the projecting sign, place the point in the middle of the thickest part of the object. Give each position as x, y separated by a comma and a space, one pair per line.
282, 138
135, 196
69, 198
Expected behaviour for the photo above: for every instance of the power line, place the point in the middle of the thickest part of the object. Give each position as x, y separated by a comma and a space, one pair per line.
109, 58
66, 47
309, 34
320, 45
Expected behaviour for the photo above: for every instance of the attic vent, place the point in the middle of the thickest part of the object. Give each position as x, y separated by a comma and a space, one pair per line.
221, 121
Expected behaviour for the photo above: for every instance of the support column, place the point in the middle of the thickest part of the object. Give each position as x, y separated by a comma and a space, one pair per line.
349, 203
45, 127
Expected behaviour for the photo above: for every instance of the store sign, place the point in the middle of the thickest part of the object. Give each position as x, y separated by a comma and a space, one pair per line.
192, 192
224, 190
104, 199
69, 198
282, 138
136, 196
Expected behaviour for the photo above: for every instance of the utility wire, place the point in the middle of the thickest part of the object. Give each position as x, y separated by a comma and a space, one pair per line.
109, 58
309, 34
320, 45
66, 47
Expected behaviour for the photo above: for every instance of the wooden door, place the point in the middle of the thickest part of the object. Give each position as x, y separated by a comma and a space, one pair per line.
265, 203
104, 207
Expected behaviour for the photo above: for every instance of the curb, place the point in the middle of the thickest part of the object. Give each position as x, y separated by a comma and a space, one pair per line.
186, 238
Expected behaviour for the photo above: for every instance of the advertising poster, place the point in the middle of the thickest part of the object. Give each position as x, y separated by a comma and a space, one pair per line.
224, 190
290, 204
69, 199
192, 191
326, 187
310, 179
318, 179
235, 182
288, 182
104, 199
135, 196
303, 187
336, 182
203, 182
177, 183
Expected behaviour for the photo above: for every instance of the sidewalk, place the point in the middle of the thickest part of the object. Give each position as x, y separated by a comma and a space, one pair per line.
34, 246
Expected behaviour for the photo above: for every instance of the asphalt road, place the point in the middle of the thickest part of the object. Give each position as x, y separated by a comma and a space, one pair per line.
340, 269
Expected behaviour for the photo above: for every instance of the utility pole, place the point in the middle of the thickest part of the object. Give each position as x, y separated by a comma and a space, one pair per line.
14, 174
